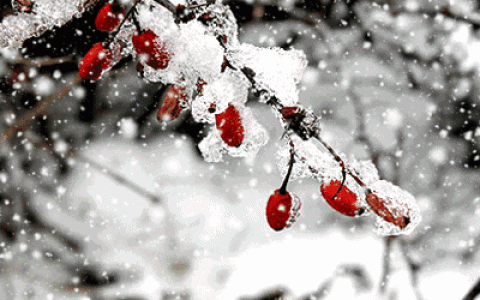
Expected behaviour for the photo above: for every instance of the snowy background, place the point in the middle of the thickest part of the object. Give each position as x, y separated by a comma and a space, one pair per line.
99, 200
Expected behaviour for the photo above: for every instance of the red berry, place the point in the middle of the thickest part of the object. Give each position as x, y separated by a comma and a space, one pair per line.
97, 60
230, 125
282, 210
172, 103
110, 17
391, 215
289, 111
346, 202
152, 51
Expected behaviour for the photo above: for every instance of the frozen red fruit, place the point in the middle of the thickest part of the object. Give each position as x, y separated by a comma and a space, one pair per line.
172, 103
282, 210
387, 211
95, 62
110, 17
346, 202
151, 50
289, 111
230, 125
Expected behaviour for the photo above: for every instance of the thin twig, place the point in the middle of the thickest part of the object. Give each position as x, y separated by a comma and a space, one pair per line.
120, 179
413, 267
41, 108
386, 269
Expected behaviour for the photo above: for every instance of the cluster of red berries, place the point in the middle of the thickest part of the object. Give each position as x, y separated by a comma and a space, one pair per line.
100, 58
153, 53
282, 207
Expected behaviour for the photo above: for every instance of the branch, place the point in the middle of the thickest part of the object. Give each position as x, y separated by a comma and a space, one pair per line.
386, 263
474, 292
120, 179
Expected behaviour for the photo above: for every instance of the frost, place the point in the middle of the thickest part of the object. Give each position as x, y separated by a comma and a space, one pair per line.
276, 70
399, 203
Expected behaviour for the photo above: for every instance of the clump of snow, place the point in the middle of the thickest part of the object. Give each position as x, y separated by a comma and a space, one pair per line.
228, 88
194, 54
45, 14
276, 70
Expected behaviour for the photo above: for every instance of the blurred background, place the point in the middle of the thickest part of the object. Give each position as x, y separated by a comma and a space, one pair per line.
99, 200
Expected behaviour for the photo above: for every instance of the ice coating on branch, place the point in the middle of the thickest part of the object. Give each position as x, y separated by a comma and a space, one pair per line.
224, 23
400, 204
365, 169
231, 87
213, 147
310, 160
45, 14
276, 70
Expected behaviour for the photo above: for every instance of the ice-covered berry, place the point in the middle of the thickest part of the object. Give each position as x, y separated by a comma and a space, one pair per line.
346, 202
151, 50
97, 60
230, 125
396, 208
282, 210
110, 17
173, 103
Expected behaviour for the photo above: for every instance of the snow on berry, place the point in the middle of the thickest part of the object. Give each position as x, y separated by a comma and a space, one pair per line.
110, 17
346, 202
396, 209
196, 53
282, 210
230, 87
173, 103
97, 60
254, 137
276, 70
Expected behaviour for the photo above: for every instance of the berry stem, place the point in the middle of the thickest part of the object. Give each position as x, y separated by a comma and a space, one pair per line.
129, 13
283, 188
